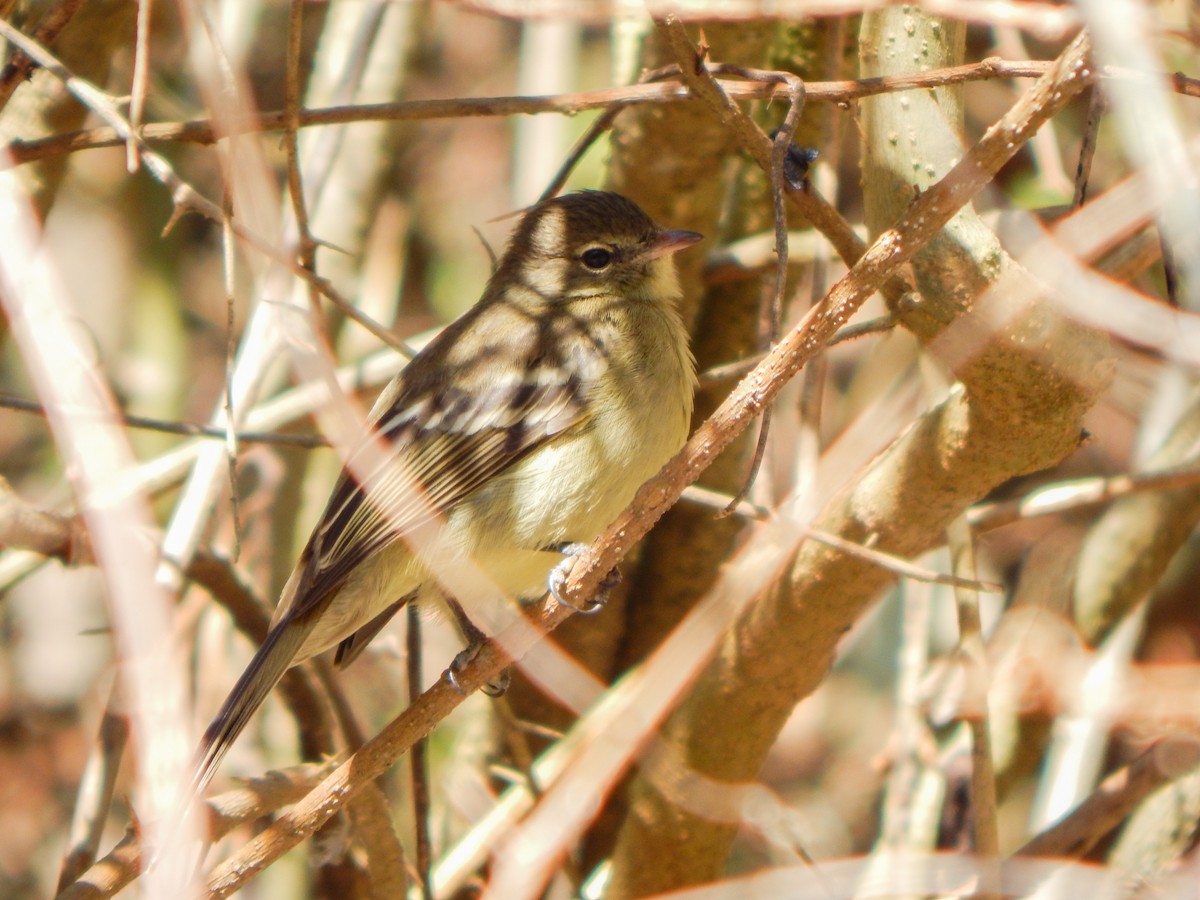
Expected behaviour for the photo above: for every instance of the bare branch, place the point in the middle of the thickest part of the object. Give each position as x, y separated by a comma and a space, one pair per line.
202, 131
1116, 797
251, 801
25, 527
187, 429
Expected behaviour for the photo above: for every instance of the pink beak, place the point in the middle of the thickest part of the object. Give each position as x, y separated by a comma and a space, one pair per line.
669, 242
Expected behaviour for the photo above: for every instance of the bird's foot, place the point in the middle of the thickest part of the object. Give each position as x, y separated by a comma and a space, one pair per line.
558, 578
475, 641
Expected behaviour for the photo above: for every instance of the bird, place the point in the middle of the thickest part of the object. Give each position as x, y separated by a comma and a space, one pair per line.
528, 423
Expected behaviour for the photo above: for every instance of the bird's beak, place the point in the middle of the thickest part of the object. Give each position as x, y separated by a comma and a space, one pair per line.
669, 242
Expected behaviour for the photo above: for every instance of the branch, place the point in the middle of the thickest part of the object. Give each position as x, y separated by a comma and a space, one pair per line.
187, 429
373, 759
1079, 493
762, 149
25, 527
247, 803
1116, 797
924, 218
781, 648
1047, 20
202, 131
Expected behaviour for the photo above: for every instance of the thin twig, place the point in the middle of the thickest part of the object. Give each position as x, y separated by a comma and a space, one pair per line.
985, 833
602, 123
228, 268
187, 429
1087, 147
306, 245
249, 801
811, 401
1067, 496
141, 78
699, 77
599, 126
749, 256
900, 567
418, 758
94, 797
54, 535
782, 146
203, 131
1117, 796
1046, 146
754, 141
727, 372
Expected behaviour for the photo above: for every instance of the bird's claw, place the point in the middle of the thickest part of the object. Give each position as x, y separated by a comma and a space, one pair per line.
558, 579
494, 688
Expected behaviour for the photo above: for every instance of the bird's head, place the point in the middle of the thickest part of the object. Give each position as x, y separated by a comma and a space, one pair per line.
591, 243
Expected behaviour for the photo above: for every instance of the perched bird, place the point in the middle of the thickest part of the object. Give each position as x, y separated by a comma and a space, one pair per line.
528, 423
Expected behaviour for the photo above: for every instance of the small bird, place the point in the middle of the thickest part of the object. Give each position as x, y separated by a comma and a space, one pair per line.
528, 423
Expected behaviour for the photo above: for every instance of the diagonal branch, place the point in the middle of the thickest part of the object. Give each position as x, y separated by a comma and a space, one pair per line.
1118, 795
781, 648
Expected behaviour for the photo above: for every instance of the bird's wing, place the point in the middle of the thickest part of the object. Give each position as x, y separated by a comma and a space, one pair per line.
450, 422
446, 438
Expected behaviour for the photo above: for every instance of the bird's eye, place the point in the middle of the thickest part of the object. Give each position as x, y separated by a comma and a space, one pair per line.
596, 258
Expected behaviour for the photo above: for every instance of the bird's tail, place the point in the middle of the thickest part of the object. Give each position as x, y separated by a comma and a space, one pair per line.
270, 662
